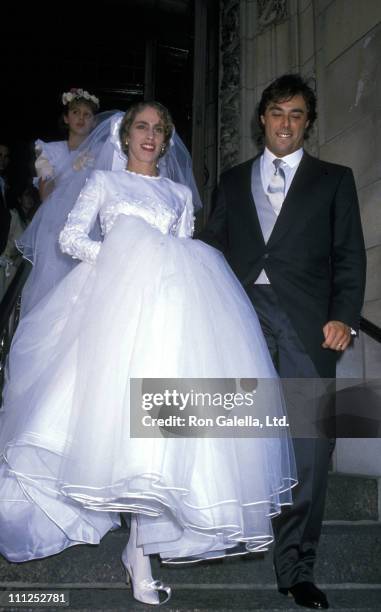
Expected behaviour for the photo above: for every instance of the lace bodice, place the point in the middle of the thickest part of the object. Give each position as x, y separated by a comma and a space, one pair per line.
163, 204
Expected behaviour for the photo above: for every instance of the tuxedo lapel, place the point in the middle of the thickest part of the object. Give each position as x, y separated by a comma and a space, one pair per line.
246, 197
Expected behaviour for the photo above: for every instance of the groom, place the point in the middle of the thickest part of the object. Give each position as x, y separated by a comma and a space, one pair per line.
289, 225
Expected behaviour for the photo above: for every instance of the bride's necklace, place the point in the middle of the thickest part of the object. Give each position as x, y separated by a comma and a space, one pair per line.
149, 176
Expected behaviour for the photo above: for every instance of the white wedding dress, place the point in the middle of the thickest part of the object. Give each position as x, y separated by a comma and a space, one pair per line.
147, 302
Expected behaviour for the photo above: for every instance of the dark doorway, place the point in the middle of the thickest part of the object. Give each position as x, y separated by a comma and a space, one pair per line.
101, 47
120, 50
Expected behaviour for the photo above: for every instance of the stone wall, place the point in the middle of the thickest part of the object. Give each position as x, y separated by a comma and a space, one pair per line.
211, 114
348, 48
349, 77
229, 84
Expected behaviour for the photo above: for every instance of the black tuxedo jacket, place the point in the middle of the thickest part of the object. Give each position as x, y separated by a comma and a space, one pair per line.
315, 256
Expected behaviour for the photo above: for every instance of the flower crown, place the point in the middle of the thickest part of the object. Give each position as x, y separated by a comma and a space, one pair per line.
74, 93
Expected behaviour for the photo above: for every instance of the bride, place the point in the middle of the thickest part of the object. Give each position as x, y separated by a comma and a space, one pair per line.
147, 302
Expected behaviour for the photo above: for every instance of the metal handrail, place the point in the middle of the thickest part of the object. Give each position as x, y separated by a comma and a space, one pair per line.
13, 293
370, 329
10, 312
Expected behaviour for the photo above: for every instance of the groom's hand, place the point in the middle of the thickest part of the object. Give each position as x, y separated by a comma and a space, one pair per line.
337, 335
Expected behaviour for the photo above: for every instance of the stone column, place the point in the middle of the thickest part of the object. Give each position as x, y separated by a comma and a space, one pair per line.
230, 85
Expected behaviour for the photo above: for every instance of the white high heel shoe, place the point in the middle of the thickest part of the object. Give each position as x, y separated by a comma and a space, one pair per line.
138, 572
147, 589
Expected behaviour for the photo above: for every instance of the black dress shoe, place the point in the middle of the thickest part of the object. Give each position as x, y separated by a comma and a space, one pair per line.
308, 595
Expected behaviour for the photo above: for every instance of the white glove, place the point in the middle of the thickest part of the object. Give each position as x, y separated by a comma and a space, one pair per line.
44, 169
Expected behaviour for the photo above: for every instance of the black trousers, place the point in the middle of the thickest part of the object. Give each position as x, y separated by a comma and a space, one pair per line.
297, 529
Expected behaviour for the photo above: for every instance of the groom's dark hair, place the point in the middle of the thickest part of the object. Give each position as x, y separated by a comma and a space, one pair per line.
283, 89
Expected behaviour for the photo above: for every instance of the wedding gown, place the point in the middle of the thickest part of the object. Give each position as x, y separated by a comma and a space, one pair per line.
147, 302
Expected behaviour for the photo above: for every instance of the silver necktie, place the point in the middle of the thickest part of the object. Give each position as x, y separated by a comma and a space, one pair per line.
277, 186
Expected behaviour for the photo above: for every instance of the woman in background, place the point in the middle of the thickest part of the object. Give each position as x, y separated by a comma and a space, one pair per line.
62, 168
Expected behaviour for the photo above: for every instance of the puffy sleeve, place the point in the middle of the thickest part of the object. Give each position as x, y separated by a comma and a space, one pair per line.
74, 238
185, 227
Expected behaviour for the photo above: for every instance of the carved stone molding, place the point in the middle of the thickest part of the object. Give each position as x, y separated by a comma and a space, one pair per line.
230, 84
271, 12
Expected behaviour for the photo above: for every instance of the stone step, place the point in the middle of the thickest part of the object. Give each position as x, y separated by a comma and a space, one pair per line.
219, 596
348, 553
352, 498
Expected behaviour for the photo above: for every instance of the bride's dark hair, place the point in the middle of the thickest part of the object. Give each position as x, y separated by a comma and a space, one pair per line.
129, 118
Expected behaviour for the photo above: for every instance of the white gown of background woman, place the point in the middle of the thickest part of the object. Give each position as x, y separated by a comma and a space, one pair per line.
147, 302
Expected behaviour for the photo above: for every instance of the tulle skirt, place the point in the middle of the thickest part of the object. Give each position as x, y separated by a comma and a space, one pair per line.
153, 306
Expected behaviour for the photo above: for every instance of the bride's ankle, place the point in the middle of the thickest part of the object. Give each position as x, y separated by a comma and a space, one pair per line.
137, 564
